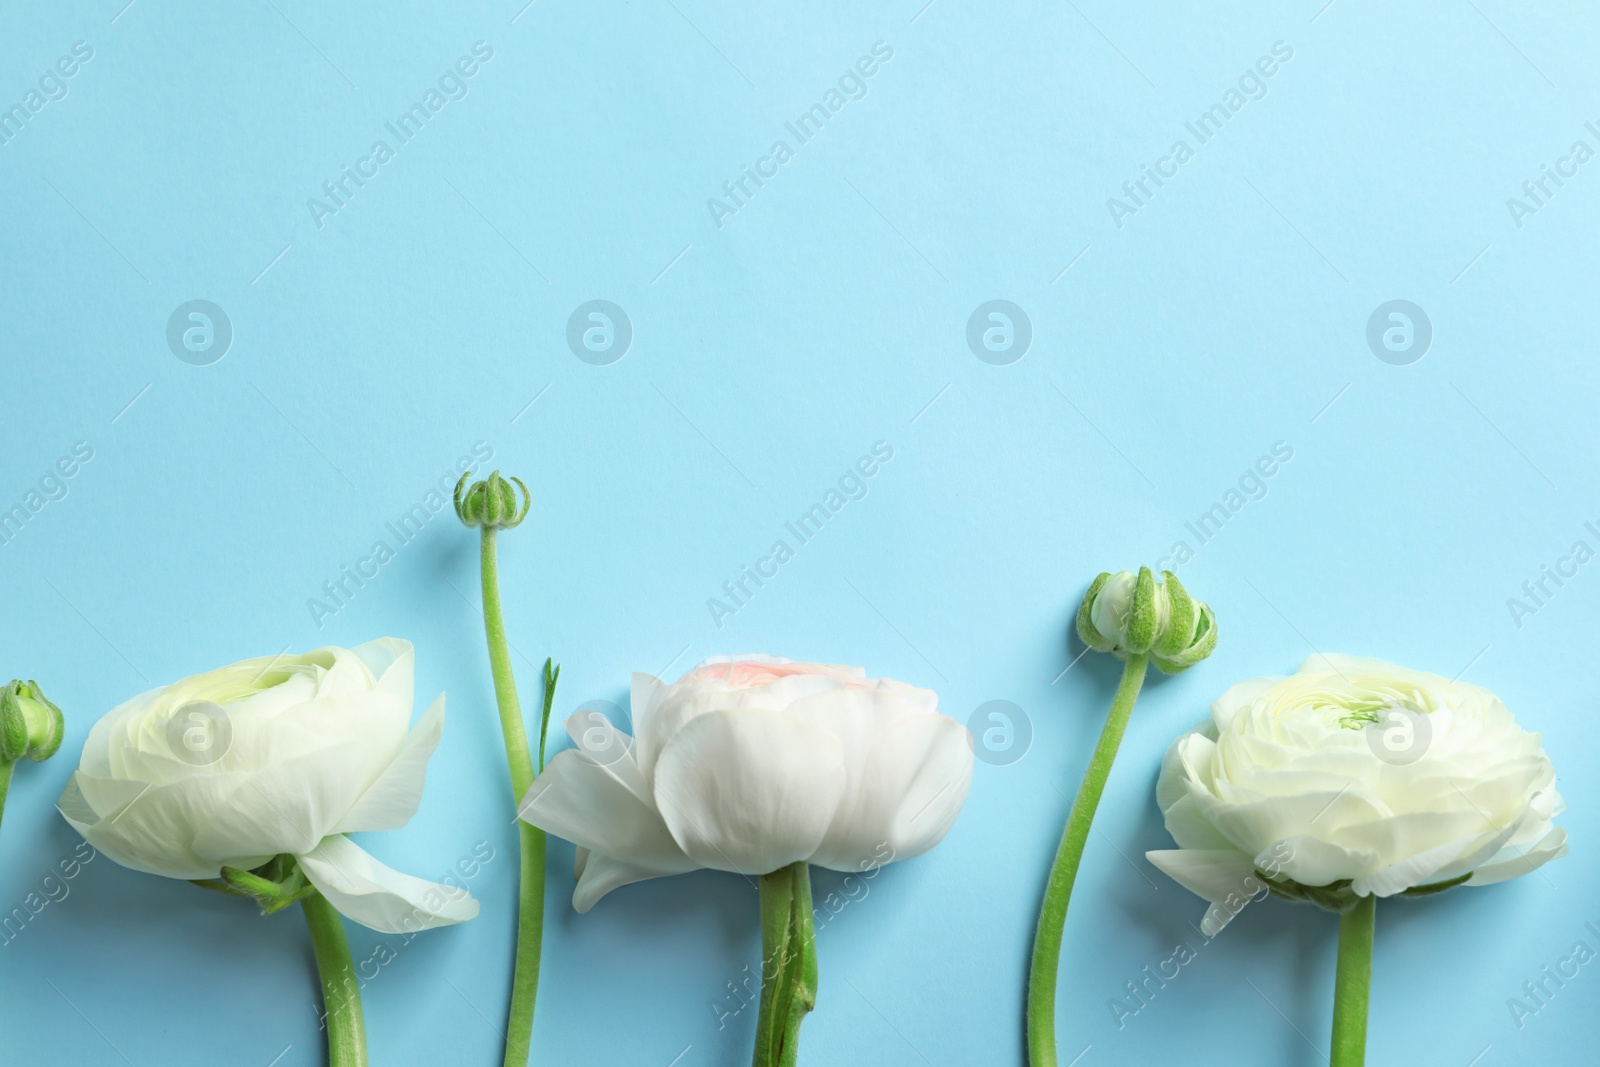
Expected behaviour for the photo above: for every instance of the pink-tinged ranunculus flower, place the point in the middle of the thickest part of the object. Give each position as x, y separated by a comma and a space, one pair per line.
750, 764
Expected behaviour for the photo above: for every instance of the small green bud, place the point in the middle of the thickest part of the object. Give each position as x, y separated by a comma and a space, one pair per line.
493, 502
1136, 614
30, 725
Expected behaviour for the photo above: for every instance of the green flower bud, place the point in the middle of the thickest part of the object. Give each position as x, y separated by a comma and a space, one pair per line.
493, 502
30, 725
1135, 614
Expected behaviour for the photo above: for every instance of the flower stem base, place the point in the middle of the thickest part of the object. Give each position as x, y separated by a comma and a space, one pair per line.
1353, 983
788, 964
341, 992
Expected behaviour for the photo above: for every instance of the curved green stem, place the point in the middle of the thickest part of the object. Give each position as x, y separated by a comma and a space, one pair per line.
6, 767
788, 964
1353, 983
1053, 912
341, 993
519, 759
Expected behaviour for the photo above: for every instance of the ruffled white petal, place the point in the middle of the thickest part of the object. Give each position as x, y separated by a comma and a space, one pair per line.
906, 787
1514, 862
749, 791
378, 896
152, 828
601, 874
392, 799
584, 802
1225, 878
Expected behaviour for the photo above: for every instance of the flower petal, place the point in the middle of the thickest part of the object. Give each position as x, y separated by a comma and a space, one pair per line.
378, 896
393, 663
1225, 878
1515, 862
150, 827
749, 790
601, 874
392, 798
905, 791
286, 807
580, 800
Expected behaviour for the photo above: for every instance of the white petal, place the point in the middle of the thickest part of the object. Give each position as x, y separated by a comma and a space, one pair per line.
601, 874
1239, 697
750, 790
1214, 875
1515, 862
1190, 829
904, 794
378, 896
1313, 861
1413, 870
392, 799
612, 749
1225, 878
577, 799
392, 661
151, 828
644, 694
289, 806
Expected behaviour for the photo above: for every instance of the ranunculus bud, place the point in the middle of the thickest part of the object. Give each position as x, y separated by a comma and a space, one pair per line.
30, 725
1135, 614
492, 502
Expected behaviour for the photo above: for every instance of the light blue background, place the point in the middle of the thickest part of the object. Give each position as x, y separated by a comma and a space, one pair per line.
829, 313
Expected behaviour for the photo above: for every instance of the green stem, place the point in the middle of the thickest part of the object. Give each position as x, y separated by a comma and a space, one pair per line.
6, 767
341, 993
788, 964
530, 905
1353, 983
1053, 912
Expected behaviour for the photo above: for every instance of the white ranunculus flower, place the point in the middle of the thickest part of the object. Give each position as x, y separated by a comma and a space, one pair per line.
282, 755
752, 763
1358, 772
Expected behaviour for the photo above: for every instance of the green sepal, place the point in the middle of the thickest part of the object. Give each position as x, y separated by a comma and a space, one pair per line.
1181, 618
30, 725
493, 503
1203, 644
275, 885
1144, 617
1436, 887
1086, 629
41, 746
1339, 897
13, 726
